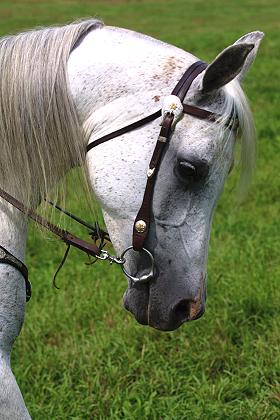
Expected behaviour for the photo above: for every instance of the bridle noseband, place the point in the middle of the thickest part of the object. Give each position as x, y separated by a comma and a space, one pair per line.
172, 111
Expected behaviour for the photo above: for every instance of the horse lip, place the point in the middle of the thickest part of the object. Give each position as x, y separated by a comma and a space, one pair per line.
136, 301
166, 327
140, 316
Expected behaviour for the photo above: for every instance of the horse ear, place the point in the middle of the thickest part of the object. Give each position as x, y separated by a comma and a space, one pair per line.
251, 38
233, 62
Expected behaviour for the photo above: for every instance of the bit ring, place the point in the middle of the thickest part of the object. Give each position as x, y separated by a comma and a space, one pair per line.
146, 277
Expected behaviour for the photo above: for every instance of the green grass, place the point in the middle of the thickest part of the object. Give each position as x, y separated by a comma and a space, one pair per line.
80, 355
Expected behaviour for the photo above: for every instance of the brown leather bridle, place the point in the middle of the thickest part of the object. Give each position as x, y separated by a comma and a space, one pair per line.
142, 221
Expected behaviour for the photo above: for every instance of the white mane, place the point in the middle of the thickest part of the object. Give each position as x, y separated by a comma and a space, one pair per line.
40, 133
237, 106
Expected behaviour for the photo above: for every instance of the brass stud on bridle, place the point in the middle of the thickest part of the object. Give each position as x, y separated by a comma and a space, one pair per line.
140, 226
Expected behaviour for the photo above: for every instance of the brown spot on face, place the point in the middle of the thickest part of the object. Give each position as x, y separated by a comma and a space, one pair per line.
156, 98
167, 69
170, 65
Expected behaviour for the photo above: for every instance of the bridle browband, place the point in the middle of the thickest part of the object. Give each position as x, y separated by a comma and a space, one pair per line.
172, 111
180, 91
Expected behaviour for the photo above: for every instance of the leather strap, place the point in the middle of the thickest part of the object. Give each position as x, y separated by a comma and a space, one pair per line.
145, 209
124, 130
89, 248
203, 114
188, 77
7, 258
142, 221
188, 109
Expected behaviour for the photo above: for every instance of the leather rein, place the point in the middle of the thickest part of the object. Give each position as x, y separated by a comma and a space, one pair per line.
172, 111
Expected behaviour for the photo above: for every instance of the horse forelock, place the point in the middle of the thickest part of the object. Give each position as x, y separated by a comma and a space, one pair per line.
40, 132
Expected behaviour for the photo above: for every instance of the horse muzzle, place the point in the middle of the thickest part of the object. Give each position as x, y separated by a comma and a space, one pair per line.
149, 308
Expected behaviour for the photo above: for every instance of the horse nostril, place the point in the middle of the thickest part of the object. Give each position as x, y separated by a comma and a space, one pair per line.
181, 310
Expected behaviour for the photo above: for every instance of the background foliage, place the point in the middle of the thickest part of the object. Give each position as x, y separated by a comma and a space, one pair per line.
80, 355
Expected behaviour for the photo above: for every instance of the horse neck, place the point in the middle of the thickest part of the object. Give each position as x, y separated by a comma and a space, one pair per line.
13, 230
117, 76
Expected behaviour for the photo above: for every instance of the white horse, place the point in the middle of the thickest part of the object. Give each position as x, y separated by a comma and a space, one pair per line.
62, 88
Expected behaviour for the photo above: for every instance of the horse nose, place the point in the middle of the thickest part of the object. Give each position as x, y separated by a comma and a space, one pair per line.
185, 310
182, 311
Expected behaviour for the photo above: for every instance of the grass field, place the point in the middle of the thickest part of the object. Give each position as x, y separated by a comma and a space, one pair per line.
80, 354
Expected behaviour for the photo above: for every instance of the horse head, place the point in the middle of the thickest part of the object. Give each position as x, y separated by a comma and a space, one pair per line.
116, 77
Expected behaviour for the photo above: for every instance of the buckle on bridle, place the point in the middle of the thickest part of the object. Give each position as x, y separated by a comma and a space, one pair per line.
105, 255
172, 105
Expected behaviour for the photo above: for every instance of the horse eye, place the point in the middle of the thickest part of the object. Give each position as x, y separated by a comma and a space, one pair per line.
186, 170
191, 171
